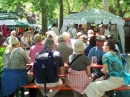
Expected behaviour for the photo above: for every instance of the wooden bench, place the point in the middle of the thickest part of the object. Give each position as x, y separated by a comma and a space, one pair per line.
34, 86
64, 87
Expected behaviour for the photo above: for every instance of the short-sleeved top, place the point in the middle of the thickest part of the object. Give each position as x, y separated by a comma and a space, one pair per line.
56, 58
80, 63
17, 59
34, 50
64, 50
95, 51
7, 40
114, 62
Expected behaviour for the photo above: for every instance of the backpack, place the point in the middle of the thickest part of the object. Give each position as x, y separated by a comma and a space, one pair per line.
44, 68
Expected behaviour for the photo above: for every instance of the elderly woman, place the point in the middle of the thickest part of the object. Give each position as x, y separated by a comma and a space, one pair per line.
14, 68
52, 35
79, 72
67, 38
112, 66
37, 47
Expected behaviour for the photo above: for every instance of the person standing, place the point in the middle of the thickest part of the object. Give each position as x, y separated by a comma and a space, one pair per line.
72, 31
55, 29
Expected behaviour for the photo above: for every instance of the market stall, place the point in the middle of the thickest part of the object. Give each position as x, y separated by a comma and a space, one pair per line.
98, 17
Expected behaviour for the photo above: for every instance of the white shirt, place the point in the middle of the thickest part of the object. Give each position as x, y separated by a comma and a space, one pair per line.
56, 30
106, 33
73, 31
24, 40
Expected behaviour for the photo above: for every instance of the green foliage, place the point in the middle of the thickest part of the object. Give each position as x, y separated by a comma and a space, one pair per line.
1, 54
43, 37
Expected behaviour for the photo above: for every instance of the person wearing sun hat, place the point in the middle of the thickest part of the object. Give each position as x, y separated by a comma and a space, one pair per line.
63, 48
14, 60
80, 67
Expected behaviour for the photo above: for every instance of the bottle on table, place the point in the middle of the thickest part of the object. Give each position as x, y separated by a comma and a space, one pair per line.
94, 60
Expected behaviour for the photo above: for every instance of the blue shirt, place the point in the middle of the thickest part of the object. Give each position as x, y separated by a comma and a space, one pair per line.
87, 49
114, 62
95, 51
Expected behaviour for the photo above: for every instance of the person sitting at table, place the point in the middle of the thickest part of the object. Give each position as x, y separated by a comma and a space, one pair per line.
14, 69
49, 46
84, 38
63, 48
92, 43
52, 35
98, 52
112, 66
24, 43
79, 75
6, 42
67, 38
37, 47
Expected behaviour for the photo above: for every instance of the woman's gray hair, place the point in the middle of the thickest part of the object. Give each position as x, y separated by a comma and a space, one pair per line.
48, 43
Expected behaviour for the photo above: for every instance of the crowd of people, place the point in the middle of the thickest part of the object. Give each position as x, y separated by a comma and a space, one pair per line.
73, 46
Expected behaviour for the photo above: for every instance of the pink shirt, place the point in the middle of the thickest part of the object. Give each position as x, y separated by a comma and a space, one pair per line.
35, 49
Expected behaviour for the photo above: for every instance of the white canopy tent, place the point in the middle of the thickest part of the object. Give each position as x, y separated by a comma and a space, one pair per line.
7, 22
97, 16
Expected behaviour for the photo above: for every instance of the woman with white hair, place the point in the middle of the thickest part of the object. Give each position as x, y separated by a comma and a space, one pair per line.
14, 68
79, 72
67, 38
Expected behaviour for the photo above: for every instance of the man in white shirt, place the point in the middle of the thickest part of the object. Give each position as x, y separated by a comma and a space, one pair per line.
24, 42
55, 29
6, 42
72, 31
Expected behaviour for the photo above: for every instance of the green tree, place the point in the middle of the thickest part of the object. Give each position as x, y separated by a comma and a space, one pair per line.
119, 7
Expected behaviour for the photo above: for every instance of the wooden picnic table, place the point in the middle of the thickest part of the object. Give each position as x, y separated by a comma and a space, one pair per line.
66, 65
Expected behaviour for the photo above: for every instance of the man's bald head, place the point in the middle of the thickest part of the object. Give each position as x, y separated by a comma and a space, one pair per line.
13, 33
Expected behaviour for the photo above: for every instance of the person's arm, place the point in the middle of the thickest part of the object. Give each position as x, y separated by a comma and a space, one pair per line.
90, 54
105, 61
104, 70
61, 65
62, 70
26, 57
88, 71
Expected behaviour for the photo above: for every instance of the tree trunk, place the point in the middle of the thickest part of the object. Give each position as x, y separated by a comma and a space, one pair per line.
61, 14
105, 5
44, 21
84, 6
